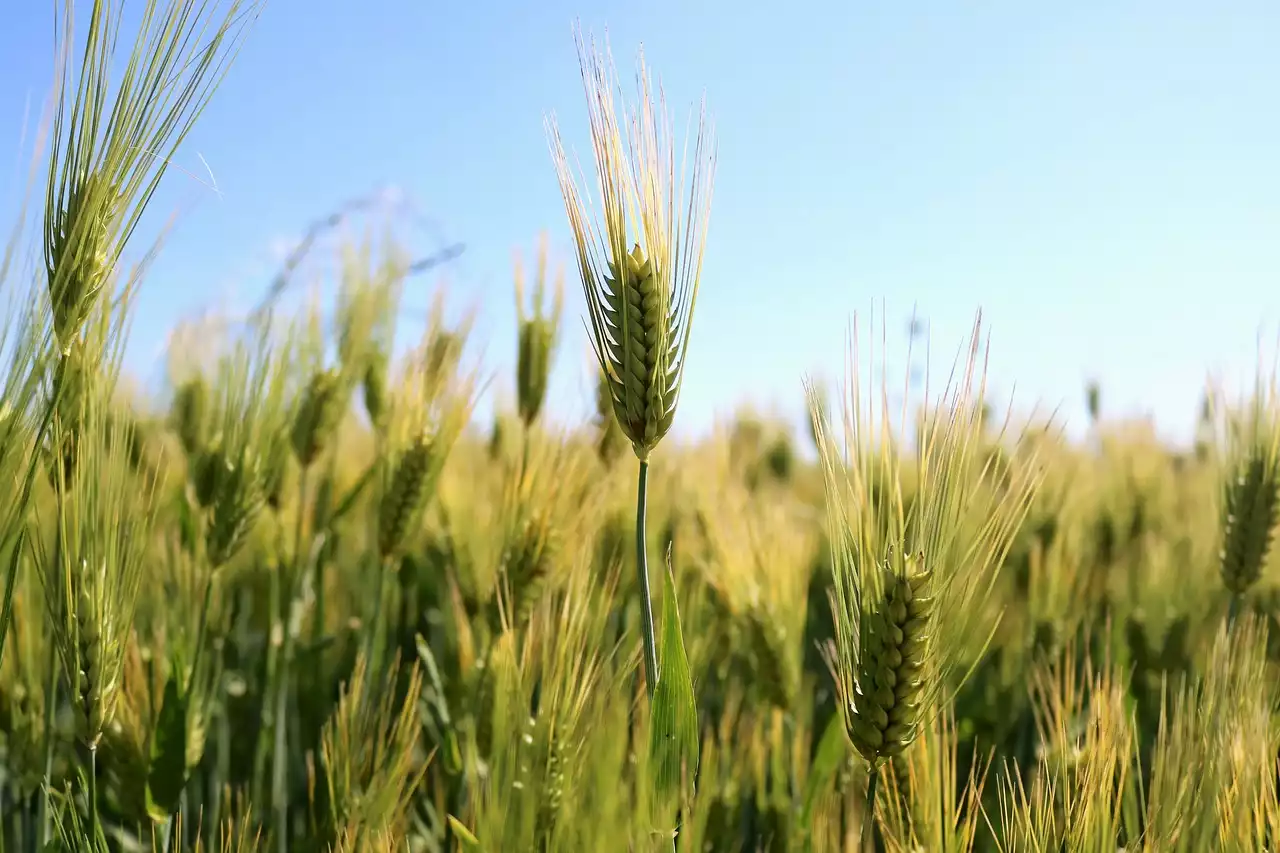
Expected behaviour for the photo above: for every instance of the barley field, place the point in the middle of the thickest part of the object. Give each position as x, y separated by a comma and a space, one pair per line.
307, 600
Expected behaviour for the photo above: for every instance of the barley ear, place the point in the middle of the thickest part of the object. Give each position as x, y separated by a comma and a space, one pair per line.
640, 270
319, 413
238, 500
108, 157
537, 334
189, 414
883, 715
1251, 490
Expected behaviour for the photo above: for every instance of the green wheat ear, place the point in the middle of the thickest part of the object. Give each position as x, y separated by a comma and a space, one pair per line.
1250, 489
537, 333
108, 157
639, 271
910, 574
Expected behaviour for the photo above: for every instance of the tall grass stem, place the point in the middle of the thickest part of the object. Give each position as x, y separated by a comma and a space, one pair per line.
869, 817
642, 568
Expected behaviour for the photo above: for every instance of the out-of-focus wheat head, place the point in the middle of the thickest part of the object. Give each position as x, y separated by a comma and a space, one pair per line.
109, 154
640, 300
1082, 793
249, 419
910, 580
759, 551
538, 331
1250, 496
545, 509
1214, 723
91, 579
367, 306
22, 688
368, 747
550, 685
429, 412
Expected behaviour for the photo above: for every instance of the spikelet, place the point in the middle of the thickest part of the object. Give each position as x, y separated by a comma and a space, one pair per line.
640, 302
319, 412
412, 484
883, 717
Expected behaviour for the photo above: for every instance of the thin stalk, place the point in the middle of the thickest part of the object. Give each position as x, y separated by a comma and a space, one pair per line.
374, 653
203, 628
869, 814
93, 795
317, 571
279, 759
273, 664
50, 707
642, 568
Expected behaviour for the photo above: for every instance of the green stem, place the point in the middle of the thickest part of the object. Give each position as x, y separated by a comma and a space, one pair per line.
279, 758
50, 707
201, 631
869, 813
1233, 610
317, 571
642, 569
273, 664
93, 796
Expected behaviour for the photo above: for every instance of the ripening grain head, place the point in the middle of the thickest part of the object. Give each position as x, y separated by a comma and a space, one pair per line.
112, 146
911, 572
639, 268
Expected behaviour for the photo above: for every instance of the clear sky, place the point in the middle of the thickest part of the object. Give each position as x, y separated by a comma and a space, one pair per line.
1102, 179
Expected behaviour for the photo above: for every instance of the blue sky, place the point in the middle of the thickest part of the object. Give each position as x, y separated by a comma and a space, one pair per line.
1103, 180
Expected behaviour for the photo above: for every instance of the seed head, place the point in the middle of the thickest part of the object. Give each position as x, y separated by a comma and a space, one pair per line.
190, 413
412, 484
1249, 522
109, 154
883, 709
1251, 491
913, 551
237, 500
80, 255
537, 333
640, 271
319, 412
91, 578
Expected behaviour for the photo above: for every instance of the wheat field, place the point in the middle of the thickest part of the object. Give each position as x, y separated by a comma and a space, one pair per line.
306, 599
